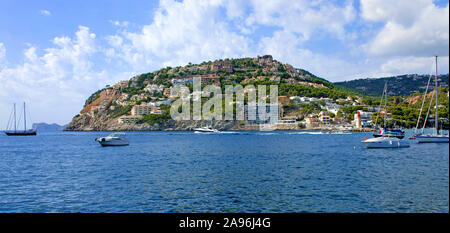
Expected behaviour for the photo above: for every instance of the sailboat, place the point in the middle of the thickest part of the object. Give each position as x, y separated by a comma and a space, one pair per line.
386, 137
435, 137
25, 131
389, 132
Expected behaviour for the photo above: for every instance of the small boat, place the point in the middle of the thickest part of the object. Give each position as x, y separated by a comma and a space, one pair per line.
386, 137
208, 129
15, 131
384, 131
340, 131
115, 139
385, 142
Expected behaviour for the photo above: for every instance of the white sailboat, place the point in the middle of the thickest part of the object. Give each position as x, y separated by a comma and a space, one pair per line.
435, 137
386, 138
390, 132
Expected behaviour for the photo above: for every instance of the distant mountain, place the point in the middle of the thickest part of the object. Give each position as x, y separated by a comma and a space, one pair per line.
398, 85
48, 127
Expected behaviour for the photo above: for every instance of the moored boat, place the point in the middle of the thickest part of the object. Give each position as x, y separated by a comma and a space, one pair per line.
430, 138
17, 132
436, 136
115, 139
385, 142
208, 129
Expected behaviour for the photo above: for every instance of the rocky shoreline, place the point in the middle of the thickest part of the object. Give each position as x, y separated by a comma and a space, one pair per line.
84, 122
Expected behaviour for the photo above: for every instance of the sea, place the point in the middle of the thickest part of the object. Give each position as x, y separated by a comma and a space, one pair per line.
240, 171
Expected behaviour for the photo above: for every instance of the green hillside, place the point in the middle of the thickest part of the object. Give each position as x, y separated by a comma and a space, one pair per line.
402, 85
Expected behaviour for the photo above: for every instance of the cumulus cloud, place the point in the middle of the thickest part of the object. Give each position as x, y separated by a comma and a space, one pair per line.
411, 28
414, 65
305, 18
56, 82
183, 32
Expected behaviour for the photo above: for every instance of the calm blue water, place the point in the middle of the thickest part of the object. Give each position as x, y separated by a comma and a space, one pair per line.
228, 172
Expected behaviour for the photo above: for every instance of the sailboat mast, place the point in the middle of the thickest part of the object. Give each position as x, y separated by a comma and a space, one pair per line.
15, 125
436, 124
385, 108
24, 118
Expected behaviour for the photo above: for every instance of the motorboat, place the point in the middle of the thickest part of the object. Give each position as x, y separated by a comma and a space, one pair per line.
208, 129
385, 142
114, 139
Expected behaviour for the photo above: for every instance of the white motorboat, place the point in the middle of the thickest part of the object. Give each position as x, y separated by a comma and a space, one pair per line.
115, 139
208, 129
385, 142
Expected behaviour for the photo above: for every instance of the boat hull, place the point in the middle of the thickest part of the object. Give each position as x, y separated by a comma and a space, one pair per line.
113, 142
23, 133
386, 143
431, 139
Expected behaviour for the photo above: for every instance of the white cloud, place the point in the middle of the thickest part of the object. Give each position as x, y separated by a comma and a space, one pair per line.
181, 32
412, 28
2, 55
45, 12
414, 65
56, 83
304, 18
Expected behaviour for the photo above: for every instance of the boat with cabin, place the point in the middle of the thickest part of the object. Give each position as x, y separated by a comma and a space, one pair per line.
114, 139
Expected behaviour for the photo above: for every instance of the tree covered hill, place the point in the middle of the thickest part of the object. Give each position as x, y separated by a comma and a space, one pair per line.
402, 85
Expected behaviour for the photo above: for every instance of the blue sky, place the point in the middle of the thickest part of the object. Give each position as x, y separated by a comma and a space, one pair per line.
54, 54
